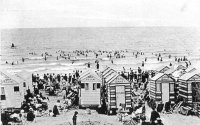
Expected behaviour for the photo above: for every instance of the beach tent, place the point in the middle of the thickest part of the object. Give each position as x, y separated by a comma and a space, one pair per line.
118, 90
12, 93
189, 87
162, 88
89, 92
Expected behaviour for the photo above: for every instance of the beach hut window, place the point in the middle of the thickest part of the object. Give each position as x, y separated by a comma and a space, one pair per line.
98, 85
82, 85
94, 86
3, 96
158, 87
171, 87
86, 86
16, 89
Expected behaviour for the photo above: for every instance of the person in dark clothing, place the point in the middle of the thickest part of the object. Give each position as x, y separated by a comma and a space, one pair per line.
58, 77
55, 111
154, 116
88, 65
142, 63
168, 106
131, 76
77, 74
4, 118
143, 78
36, 91
74, 119
30, 115
65, 77
97, 66
160, 107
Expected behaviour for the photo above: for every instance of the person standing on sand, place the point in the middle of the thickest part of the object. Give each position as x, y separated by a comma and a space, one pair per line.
154, 116
74, 119
55, 111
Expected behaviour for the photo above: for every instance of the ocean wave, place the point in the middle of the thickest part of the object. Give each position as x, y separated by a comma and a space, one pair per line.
35, 58
36, 69
105, 59
69, 64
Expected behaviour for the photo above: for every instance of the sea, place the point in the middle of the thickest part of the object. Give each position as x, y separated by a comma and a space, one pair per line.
173, 40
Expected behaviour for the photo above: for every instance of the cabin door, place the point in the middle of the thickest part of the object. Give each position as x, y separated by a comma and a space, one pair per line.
165, 92
120, 95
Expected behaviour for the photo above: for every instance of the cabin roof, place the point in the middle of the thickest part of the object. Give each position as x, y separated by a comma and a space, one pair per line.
6, 76
178, 73
161, 68
189, 69
111, 77
88, 73
107, 70
170, 71
157, 76
187, 76
24, 75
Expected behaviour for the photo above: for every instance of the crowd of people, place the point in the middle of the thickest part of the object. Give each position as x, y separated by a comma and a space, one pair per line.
34, 105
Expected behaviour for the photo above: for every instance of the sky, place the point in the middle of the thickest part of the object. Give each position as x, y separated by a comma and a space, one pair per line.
98, 13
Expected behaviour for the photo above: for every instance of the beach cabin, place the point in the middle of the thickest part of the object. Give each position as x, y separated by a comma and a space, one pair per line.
89, 91
27, 80
162, 88
118, 90
12, 93
189, 87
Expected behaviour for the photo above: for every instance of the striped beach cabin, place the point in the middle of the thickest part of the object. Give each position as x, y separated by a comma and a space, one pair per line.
89, 91
12, 92
118, 90
189, 87
162, 88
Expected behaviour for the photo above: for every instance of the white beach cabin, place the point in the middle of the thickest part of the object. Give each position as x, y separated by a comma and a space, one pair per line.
12, 93
27, 80
89, 92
